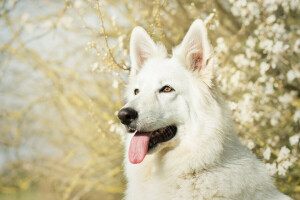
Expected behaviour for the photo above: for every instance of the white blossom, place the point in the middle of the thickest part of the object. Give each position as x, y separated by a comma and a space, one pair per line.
251, 42
95, 66
121, 41
269, 89
294, 139
283, 167
115, 84
250, 145
221, 46
275, 118
271, 19
286, 164
264, 67
297, 115
286, 98
272, 169
297, 46
292, 74
281, 170
267, 153
266, 45
232, 105
283, 153
270, 5
241, 61
278, 47
295, 4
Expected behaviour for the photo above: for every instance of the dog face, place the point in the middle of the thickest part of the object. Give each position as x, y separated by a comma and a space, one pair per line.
156, 92
161, 94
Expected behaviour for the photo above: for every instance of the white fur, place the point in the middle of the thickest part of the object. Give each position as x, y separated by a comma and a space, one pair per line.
205, 160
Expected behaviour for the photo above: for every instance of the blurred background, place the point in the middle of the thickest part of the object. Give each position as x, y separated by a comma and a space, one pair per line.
64, 64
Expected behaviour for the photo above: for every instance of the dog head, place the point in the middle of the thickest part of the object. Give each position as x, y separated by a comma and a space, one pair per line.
168, 99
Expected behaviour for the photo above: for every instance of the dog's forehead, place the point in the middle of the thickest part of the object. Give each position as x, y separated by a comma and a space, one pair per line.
160, 69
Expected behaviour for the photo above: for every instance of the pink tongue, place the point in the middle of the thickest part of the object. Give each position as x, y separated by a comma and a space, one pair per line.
138, 147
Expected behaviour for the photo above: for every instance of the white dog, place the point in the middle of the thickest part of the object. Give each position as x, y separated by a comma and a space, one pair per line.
184, 144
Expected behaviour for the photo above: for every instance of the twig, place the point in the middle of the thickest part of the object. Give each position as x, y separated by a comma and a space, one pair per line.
105, 37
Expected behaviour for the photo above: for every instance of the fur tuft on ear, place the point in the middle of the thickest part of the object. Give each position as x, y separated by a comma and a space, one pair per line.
142, 48
194, 50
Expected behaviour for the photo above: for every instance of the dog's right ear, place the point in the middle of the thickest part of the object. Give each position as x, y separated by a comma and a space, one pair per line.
142, 47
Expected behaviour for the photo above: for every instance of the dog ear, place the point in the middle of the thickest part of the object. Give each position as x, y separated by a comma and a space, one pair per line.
142, 48
195, 48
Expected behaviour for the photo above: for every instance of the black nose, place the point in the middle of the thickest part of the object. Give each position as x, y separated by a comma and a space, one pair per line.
127, 115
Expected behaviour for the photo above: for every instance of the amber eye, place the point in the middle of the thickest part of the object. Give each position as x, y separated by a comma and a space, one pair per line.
136, 91
166, 89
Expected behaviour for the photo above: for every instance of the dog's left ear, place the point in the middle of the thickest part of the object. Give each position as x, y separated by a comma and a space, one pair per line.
195, 48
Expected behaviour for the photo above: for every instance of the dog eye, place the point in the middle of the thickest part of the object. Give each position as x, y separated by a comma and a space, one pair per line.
136, 91
166, 89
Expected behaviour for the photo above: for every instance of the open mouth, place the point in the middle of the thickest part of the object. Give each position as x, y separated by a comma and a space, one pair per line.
142, 142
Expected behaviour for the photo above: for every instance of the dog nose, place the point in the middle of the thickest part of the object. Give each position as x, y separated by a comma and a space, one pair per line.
127, 115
